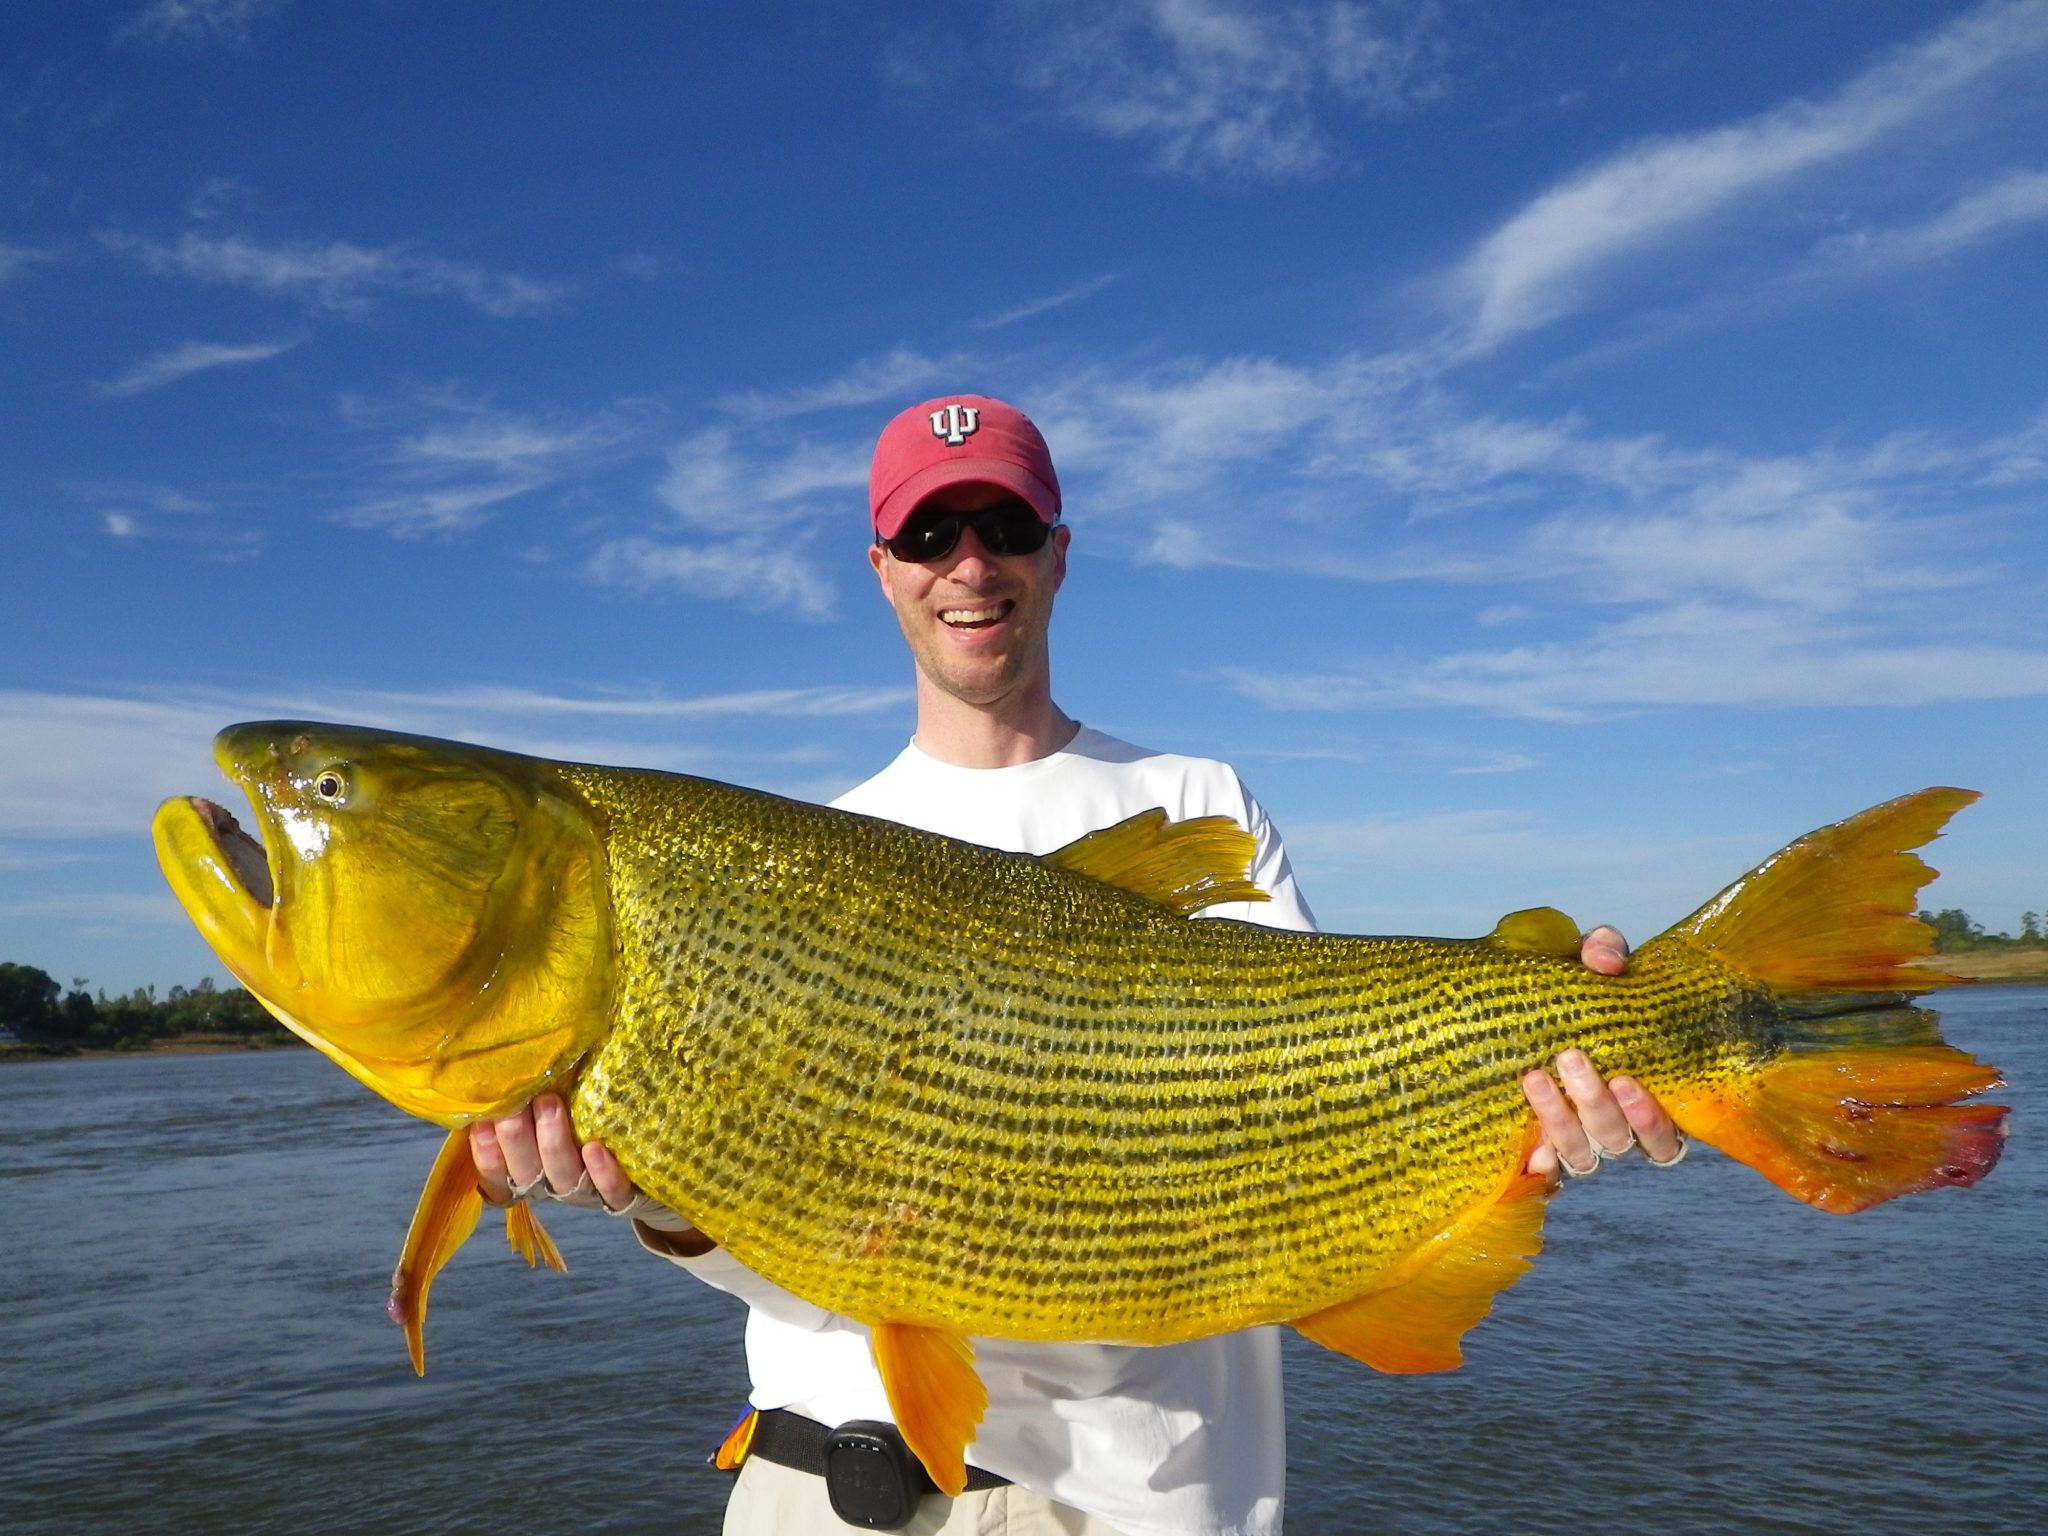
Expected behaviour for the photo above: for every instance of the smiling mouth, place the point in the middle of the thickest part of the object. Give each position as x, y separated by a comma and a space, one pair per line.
976, 618
243, 853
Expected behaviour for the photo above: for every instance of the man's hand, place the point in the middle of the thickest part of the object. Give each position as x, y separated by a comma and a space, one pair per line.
535, 1142
534, 1152
1588, 1118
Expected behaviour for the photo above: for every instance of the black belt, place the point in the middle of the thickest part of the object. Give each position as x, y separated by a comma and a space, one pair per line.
870, 1476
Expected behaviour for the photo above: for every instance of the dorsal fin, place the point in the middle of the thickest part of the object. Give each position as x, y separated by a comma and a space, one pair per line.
1182, 865
1539, 931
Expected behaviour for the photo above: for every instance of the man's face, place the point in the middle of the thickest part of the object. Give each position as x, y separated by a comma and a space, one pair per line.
975, 622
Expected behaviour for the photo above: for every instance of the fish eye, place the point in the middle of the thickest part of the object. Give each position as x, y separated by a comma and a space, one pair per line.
330, 785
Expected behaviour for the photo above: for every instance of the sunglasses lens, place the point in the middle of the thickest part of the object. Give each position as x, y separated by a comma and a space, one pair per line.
927, 537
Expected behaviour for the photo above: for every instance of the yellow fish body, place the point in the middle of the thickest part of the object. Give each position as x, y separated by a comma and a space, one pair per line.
946, 1091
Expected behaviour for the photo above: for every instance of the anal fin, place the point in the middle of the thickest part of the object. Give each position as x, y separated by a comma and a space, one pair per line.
441, 1223
1414, 1320
934, 1394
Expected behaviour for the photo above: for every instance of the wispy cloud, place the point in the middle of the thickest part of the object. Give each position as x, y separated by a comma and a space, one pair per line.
1210, 86
730, 481
333, 275
187, 359
202, 20
902, 374
1545, 260
17, 260
751, 572
2011, 203
1034, 307
451, 475
1697, 654
128, 510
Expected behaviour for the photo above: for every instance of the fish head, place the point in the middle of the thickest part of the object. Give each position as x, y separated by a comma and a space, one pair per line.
431, 915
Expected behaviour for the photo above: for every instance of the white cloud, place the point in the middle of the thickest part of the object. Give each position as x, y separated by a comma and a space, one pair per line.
16, 260
743, 571
437, 509
451, 475
205, 20
723, 480
335, 274
1031, 308
899, 375
2013, 202
189, 358
1543, 261
1215, 86
1691, 655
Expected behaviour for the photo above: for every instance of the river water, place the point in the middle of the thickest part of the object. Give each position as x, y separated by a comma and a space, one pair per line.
194, 1253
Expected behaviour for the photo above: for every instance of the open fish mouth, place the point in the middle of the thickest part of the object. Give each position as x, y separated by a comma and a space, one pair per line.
243, 855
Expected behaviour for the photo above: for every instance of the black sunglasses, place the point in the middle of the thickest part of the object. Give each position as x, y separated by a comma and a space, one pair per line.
1007, 528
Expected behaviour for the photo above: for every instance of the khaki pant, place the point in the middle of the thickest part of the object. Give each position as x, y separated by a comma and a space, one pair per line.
771, 1500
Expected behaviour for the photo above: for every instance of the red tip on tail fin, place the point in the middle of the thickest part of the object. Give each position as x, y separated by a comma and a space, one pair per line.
1844, 1130
1835, 909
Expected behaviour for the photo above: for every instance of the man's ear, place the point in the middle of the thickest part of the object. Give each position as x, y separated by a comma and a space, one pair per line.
878, 557
1061, 536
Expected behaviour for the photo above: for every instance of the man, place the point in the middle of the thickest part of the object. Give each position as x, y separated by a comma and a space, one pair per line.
970, 551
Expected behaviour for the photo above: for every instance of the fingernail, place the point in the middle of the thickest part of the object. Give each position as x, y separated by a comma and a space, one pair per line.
1626, 1091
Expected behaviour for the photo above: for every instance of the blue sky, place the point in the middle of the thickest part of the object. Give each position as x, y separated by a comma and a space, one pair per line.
1558, 453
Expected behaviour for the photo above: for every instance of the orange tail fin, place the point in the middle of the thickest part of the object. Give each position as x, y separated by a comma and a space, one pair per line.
1856, 1101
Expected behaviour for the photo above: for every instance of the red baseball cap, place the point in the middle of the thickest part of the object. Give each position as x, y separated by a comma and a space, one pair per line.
958, 440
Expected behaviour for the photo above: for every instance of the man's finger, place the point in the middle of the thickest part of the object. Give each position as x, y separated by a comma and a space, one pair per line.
1606, 1125
484, 1152
1604, 950
606, 1176
1660, 1138
1562, 1133
518, 1146
560, 1157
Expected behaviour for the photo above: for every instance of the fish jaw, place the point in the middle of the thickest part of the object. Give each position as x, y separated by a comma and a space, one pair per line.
221, 877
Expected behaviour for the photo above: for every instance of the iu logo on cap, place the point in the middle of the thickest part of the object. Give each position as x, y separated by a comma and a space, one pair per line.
956, 423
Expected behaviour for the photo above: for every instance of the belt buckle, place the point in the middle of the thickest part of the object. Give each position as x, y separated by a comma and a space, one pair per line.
870, 1476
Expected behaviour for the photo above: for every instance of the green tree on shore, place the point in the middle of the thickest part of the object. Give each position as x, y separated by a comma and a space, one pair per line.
43, 1014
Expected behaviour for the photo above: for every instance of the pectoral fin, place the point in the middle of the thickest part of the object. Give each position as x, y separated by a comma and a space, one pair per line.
1413, 1321
441, 1223
934, 1394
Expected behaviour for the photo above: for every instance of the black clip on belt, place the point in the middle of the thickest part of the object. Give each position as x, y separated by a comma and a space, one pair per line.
870, 1476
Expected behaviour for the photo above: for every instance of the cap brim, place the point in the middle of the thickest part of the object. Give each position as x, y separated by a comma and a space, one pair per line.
895, 512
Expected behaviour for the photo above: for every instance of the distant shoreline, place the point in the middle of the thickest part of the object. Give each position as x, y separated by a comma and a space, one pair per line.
177, 1045
1994, 967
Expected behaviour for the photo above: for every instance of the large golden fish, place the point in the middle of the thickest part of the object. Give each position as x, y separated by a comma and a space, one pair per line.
946, 1091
